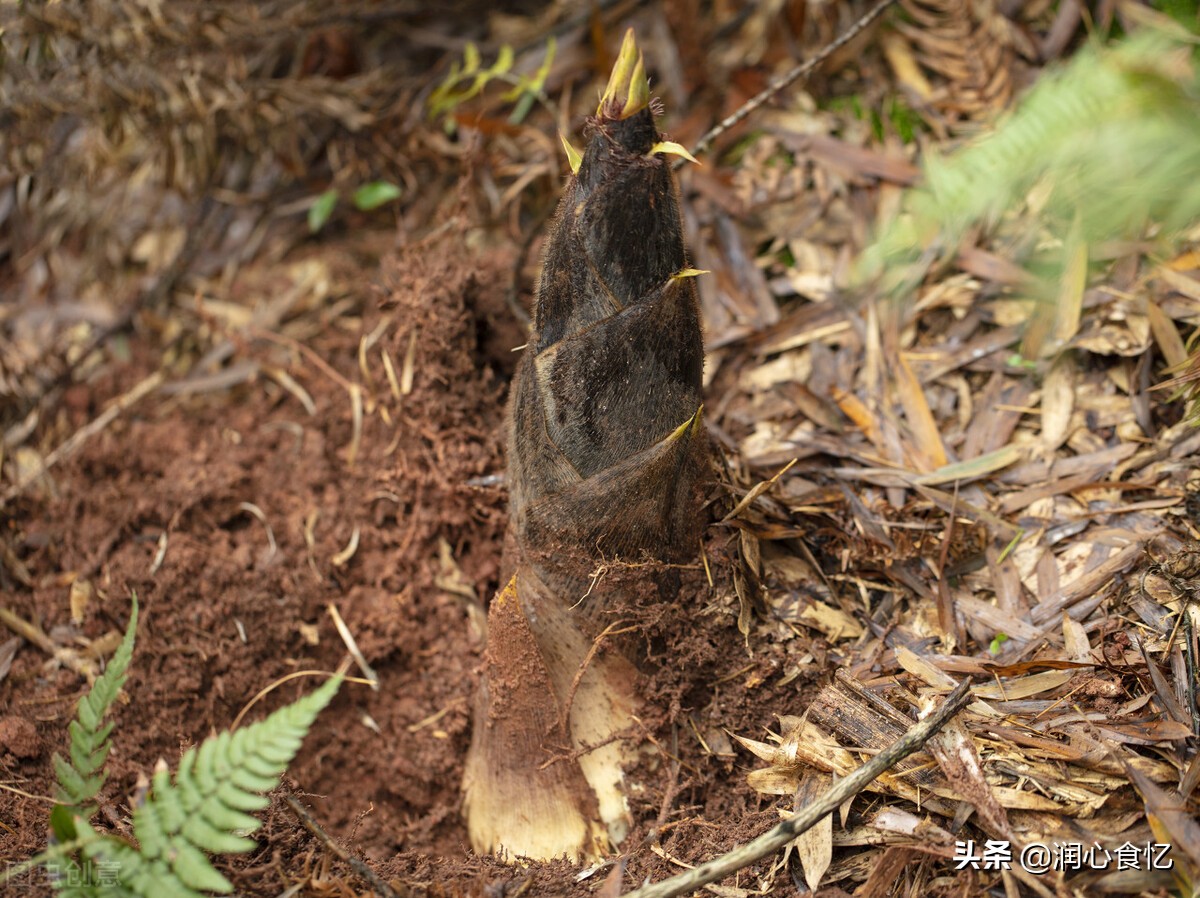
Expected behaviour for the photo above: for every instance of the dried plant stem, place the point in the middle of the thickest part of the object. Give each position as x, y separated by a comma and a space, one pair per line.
360, 869
776, 838
787, 80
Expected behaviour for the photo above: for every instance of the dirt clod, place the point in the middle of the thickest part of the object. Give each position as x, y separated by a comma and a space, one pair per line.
19, 737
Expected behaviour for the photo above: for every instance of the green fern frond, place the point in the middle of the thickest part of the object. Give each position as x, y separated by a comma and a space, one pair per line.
1113, 139
203, 809
82, 776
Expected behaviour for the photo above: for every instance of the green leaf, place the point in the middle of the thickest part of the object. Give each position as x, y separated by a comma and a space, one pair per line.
997, 641
1016, 360
81, 778
524, 104
203, 809
373, 195
62, 823
199, 831
194, 869
321, 209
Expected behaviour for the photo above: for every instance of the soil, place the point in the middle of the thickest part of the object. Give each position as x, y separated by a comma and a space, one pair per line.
230, 514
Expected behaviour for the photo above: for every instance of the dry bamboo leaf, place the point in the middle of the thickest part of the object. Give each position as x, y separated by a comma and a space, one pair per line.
933, 838
996, 620
1021, 800
1058, 402
763, 750
931, 454
1121, 330
959, 760
8, 651
887, 871
1171, 811
833, 622
1022, 668
1094, 464
774, 780
1166, 335
1163, 690
856, 411
924, 669
973, 468
815, 846
1086, 585
805, 745
898, 53
1177, 280
1024, 687
1148, 733
755, 491
955, 505
1069, 303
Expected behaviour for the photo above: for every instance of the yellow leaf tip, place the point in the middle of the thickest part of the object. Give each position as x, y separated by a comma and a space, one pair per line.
671, 148
574, 157
689, 273
688, 427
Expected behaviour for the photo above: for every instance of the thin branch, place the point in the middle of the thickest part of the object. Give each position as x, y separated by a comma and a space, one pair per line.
360, 869
776, 838
787, 80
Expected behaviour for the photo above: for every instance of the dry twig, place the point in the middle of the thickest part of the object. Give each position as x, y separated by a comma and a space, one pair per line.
361, 870
776, 838
787, 80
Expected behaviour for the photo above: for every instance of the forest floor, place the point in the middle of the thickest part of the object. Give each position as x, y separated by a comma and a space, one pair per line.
314, 431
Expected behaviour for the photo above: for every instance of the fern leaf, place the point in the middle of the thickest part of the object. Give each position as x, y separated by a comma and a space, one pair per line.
195, 871
89, 750
80, 779
198, 831
204, 808
1115, 135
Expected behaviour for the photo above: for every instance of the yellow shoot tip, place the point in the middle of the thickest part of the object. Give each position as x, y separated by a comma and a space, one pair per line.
628, 89
671, 148
689, 273
574, 157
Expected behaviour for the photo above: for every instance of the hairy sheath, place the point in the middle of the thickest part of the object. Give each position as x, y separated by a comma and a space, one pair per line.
606, 453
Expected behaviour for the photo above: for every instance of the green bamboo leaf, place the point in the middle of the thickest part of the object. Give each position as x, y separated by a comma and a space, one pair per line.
375, 194
321, 209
